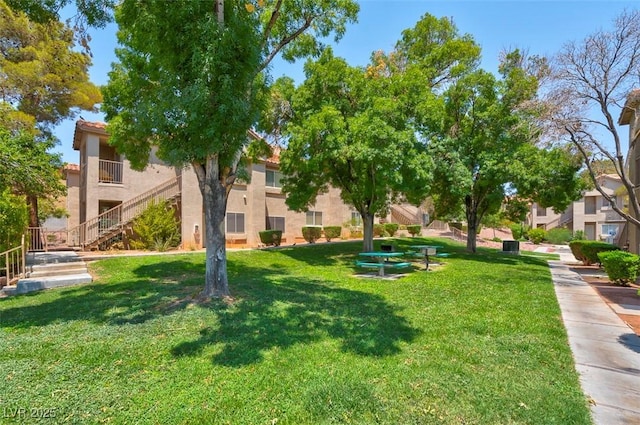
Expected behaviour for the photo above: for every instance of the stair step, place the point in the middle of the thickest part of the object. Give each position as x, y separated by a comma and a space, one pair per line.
8, 291
81, 268
36, 284
46, 268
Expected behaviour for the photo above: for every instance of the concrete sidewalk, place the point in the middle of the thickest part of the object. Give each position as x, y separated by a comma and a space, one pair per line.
606, 351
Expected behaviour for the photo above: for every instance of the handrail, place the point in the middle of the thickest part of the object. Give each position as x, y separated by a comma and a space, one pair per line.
14, 263
110, 220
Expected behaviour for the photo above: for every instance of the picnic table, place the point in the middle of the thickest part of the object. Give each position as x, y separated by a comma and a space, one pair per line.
381, 260
427, 250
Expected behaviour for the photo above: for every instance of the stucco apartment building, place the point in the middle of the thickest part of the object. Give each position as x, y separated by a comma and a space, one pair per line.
591, 214
106, 182
631, 116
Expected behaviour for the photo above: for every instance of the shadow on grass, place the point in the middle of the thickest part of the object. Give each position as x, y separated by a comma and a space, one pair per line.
273, 309
158, 288
300, 311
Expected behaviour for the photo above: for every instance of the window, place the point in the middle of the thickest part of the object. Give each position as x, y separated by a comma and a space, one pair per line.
589, 204
275, 223
605, 203
425, 219
541, 212
273, 178
235, 223
610, 229
356, 218
314, 218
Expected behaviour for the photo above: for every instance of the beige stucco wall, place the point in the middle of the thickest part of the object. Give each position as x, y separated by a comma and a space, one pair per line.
575, 217
253, 199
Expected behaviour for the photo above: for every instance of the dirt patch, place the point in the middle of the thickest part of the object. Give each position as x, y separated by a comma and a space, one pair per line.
612, 294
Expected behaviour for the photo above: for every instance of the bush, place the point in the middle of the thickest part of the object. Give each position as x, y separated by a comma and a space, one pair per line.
537, 235
591, 249
587, 251
391, 228
157, 228
517, 231
414, 229
621, 267
355, 233
378, 229
332, 232
559, 236
576, 250
271, 237
311, 233
578, 235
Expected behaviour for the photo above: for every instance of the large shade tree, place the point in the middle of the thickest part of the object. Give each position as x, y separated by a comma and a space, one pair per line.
592, 79
487, 146
348, 131
43, 80
189, 82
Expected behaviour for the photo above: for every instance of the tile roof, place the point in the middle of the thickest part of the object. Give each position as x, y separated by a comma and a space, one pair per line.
89, 127
633, 101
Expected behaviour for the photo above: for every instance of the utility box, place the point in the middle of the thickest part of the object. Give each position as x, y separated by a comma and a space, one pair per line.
511, 247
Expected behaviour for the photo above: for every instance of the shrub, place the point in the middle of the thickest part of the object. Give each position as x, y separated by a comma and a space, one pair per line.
537, 235
271, 237
496, 239
621, 267
559, 236
378, 229
578, 235
587, 251
576, 250
391, 228
311, 233
157, 227
414, 229
517, 231
355, 233
332, 232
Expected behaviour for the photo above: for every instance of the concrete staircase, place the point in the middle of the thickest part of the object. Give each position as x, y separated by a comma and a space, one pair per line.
46, 270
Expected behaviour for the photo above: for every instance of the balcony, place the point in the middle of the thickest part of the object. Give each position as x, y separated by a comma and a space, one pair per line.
109, 172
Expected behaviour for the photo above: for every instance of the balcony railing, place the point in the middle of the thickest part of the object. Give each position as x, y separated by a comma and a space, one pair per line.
110, 171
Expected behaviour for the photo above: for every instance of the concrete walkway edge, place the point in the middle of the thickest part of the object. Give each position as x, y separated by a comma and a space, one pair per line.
606, 351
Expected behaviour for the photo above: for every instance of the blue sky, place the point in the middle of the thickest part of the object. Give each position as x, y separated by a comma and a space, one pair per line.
542, 27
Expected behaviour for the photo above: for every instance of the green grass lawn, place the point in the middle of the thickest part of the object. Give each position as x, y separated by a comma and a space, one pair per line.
479, 340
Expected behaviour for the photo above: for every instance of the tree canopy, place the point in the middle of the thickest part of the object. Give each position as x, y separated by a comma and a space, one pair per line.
43, 81
190, 82
348, 131
487, 147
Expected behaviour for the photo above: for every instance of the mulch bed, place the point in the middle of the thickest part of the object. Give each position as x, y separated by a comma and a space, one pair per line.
612, 294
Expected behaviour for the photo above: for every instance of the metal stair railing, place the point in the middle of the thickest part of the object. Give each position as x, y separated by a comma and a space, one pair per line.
112, 221
404, 216
13, 263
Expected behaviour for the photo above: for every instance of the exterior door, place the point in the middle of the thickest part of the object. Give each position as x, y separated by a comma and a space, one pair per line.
590, 231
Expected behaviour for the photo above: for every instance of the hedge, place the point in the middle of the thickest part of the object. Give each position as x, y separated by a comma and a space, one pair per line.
587, 251
537, 235
621, 267
311, 233
391, 228
332, 232
414, 229
271, 237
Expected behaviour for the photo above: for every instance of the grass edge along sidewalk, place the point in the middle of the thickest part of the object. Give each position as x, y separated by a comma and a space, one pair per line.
479, 340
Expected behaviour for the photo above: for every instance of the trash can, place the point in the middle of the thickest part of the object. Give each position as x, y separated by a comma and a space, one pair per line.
511, 247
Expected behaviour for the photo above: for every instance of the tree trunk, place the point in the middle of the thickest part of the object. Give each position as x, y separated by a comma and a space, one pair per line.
35, 235
214, 195
32, 202
367, 230
472, 223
